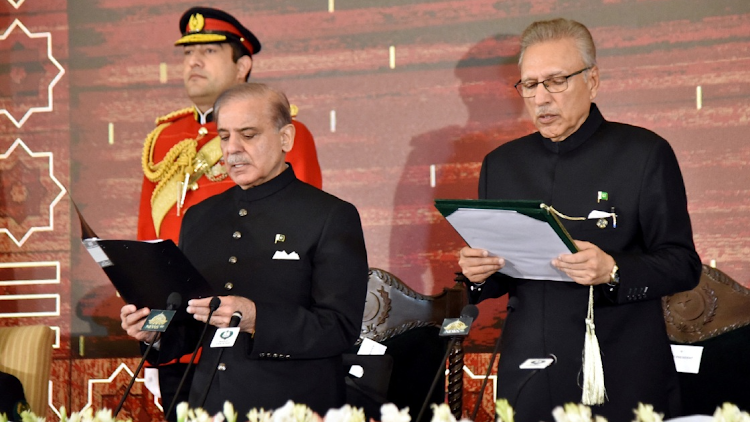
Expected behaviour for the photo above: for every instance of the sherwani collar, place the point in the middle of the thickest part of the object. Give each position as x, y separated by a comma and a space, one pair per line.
580, 136
266, 189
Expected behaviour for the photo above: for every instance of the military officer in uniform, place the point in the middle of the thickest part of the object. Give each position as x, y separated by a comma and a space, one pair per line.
181, 157
291, 258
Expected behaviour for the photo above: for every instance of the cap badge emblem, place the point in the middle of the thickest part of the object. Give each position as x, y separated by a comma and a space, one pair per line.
196, 23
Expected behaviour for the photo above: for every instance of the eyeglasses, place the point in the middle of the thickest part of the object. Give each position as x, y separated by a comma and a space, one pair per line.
552, 85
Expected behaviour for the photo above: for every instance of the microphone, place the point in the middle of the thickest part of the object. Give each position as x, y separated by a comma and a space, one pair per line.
512, 303
233, 322
212, 306
173, 302
455, 328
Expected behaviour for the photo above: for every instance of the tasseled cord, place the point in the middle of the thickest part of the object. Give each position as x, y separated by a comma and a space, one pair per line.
593, 373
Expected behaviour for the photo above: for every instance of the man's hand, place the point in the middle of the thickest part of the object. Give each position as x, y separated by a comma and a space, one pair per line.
221, 317
589, 266
132, 321
477, 264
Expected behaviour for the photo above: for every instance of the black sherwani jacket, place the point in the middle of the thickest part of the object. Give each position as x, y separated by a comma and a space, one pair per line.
651, 242
309, 306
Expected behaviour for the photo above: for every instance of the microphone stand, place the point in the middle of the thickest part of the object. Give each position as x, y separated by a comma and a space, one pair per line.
173, 301
233, 322
451, 343
135, 374
212, 306
495, 352
469, 311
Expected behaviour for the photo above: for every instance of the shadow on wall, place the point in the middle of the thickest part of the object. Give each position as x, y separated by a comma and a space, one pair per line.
423, 246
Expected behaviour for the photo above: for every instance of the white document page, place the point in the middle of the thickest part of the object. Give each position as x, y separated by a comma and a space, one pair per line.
527, 244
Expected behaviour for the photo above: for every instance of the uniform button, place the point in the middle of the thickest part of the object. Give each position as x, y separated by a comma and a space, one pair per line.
232, 259
229, 286
222, 367
262, 355
236, 235
243, 212
288, 356
275, 355
202, 131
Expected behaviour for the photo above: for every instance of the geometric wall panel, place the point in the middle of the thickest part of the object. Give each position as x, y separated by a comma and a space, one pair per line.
29, 192
31, 73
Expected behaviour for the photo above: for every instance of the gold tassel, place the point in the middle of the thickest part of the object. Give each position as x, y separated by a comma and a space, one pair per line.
593, 373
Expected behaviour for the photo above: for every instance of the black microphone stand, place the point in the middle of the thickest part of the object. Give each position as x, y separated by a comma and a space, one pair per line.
212, 306
495, 352
451, 343
173, 302
469, 311
135, 374
233, 322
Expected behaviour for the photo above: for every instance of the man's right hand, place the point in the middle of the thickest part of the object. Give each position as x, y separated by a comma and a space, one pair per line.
477, 264
132, 321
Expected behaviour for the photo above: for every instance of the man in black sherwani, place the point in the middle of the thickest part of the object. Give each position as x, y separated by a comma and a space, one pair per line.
637, 248
290, 257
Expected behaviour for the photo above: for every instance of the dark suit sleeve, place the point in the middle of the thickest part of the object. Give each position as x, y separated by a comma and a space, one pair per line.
331, 323
669, 263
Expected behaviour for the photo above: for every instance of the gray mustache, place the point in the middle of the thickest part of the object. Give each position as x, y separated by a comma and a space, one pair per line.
236, 159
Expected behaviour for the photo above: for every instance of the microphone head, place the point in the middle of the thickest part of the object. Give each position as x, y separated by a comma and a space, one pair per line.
174, 301
214, 304
512, 303
236, 318
470, 311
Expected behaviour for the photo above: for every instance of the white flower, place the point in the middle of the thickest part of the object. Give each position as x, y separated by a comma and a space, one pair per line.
389, 412
262, 415
104, 415
182, 412
442, 413
229, 413
504, 410
346, 413
291, 412
730, 413
572, 412
646, 413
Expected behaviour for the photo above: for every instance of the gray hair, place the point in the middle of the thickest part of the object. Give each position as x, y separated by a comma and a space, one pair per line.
558, 29
279, 104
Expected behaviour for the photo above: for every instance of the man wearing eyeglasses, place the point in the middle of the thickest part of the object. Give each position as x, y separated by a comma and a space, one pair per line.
620, 195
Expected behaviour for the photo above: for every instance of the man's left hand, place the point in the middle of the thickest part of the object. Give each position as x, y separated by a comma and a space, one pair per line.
589, 266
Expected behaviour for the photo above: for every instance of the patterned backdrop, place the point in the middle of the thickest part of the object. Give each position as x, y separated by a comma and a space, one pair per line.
404, 99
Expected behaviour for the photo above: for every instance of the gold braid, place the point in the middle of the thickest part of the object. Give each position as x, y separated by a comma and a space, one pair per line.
179, 159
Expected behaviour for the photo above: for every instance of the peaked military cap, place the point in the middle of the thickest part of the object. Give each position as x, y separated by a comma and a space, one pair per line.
202, 25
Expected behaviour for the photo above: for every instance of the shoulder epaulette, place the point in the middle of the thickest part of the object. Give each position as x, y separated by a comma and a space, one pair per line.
171, 117
293, 110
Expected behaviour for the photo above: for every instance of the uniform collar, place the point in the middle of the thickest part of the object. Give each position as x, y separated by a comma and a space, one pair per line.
204, 118
266, 189
578, 137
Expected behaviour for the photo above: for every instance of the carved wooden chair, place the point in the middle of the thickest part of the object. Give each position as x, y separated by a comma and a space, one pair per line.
408, 323
715, 315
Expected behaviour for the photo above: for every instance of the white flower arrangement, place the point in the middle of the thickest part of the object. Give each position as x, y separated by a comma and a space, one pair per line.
292, 412
389, 412
572, 412
646, 413
730, 413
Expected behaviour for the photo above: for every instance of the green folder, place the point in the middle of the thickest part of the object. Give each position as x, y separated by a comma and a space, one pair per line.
532, 208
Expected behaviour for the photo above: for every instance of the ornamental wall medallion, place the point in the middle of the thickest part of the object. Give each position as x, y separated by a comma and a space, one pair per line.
29, 192
28, 73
